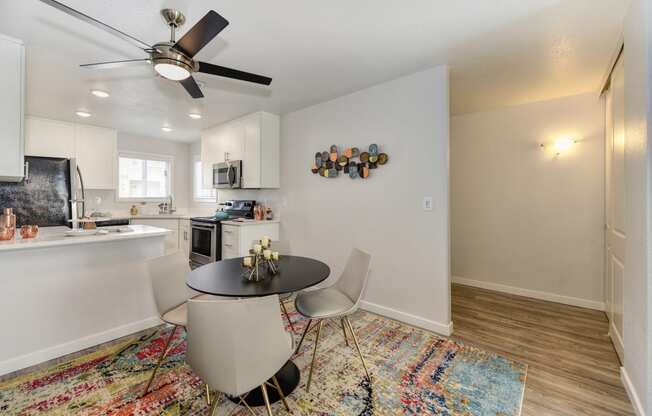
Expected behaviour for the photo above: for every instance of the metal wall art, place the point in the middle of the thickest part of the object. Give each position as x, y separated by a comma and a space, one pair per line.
351, 162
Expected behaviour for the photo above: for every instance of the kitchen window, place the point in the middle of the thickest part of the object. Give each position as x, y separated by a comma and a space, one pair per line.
200, 193
144, 177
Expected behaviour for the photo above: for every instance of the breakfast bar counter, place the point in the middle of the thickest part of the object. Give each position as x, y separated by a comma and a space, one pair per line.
72, 293
56, 237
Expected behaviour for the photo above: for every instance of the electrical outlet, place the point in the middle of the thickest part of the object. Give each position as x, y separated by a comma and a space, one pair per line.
427, 203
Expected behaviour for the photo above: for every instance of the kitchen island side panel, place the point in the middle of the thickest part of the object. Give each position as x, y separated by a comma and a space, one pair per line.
61, 299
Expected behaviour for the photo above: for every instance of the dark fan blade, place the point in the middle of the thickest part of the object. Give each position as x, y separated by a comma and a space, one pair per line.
114, 64
191, 86
223, 71
201, 33
72, 12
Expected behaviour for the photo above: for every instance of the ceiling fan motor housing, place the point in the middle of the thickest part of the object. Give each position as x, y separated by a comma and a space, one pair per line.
164, 53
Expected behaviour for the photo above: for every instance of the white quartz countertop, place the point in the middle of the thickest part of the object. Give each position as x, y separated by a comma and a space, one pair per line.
160, 216
55, 237
250, 222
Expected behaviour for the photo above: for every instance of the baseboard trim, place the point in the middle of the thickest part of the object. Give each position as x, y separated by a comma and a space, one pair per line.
551, 297
434, 326
37, 357
631, 392
617, 341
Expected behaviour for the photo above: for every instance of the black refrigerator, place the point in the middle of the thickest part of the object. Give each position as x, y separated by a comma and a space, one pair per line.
48, 195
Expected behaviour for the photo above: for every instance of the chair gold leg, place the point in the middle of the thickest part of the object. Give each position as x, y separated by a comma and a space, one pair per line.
346, 339
245, 404
314, 354
357, 347
213, 406
208, 395
287, 316
280, 393
266, 398
303, 336
160, 360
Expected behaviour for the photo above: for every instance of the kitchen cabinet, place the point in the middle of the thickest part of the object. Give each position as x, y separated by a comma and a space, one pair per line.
184, 236
172, 224
96, 152
49, 138
95, 148
238, 239
12, 103
254, 139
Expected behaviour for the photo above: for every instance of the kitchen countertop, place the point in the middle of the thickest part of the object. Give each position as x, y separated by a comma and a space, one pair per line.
160, 216
250, 222
55, 237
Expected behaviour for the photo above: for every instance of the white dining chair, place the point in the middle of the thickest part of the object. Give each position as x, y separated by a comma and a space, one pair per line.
168, 276
336, 302
237, 345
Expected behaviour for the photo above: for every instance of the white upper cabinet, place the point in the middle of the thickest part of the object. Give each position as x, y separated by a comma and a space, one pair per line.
254, 139
49, 138
95, 148
12, 98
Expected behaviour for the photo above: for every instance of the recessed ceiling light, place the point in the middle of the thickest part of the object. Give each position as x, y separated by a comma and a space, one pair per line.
84, 114
100, 93
194, 116
166, 129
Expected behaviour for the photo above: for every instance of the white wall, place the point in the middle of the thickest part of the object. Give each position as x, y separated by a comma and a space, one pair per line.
382, 215
182, 186
637, 170
521, 217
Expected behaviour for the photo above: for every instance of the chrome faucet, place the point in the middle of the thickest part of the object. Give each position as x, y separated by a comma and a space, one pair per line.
167, 207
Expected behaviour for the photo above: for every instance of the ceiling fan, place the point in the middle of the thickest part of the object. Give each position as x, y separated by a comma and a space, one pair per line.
173, 60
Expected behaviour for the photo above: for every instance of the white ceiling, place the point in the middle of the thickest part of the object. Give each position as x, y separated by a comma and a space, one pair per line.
501, 52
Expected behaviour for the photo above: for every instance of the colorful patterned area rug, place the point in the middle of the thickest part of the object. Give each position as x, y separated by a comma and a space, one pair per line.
414, 372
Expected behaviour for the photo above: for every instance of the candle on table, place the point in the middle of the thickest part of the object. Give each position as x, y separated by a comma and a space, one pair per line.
275, 255
257, 248
265, 242
246, 261
267, 254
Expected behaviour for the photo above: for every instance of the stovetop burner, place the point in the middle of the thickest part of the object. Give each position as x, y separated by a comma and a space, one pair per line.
235, 209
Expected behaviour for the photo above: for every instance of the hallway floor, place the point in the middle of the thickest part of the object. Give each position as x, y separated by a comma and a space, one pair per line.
573, 367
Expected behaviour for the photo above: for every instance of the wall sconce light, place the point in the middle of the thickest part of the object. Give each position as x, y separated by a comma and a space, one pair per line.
561, 145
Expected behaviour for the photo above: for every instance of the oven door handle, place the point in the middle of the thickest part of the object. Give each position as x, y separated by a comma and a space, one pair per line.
203, 227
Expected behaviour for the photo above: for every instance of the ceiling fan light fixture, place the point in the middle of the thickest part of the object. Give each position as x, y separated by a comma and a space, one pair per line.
172, 70
194, 116
166, 129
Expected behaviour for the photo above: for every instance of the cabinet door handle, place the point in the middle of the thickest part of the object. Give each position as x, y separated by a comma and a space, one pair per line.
185, 235
228, 245
228, 232
26, 171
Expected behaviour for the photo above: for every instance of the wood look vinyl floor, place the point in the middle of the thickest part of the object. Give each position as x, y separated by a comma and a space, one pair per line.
573, 368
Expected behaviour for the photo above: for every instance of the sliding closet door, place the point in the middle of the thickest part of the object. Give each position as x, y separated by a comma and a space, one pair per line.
615, 204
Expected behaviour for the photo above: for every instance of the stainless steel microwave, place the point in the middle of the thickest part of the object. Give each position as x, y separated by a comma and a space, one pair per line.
227, 174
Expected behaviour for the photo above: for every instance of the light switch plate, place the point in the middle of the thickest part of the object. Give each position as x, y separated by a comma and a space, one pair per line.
427, 203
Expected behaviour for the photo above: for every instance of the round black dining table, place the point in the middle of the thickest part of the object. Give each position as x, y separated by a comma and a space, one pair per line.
225, 278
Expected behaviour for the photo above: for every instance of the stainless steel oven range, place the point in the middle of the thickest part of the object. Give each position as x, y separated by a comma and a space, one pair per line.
206, 232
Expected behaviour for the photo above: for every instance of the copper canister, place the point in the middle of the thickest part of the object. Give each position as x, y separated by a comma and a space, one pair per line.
29, 231
7, 224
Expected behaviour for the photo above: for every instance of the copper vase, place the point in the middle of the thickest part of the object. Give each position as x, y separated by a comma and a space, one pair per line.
7, 224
